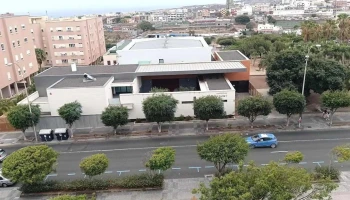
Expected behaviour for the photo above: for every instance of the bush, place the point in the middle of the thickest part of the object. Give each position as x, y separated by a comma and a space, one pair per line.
72, 197
180, 118
188, 118
325, 172
129, 182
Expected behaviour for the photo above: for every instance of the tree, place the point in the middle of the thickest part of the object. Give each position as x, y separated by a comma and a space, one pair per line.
308, 30
115, 116
29, 164
293, 157
250, 25
40, 57
70, 112
342, 153
288, 103
208, 107
271, 182
271, 20
344, 30
252, 107
159, 108
242, 19
223, 149
108, 46
285, 70
333, 100
145, 26
20, 117
162, 159
5, 106
94, 165
208, 40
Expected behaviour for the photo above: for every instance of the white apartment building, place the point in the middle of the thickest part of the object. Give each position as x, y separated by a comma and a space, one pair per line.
245, 10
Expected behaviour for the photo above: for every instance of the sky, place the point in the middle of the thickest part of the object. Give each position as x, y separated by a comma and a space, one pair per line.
57, 8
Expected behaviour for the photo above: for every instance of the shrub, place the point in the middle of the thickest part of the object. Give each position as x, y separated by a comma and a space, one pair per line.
71, 197
294, 157
129, 182
180, 118
188, 118
94, 165
325, 172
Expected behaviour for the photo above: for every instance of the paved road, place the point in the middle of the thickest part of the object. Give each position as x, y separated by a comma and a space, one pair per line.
128, 156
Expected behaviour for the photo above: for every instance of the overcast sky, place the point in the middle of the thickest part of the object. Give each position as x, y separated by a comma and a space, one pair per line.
78, 7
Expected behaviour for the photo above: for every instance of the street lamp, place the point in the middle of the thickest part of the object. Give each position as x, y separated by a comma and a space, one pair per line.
307, 56
25, 88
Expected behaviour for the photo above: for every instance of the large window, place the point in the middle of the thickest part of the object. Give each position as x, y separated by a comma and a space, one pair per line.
121, 90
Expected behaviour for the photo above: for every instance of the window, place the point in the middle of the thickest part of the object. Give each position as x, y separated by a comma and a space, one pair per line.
16, 56
25, 39
8, 75
28, 52
31, 30
71, 45
16, 29
64, 60
21, 56
114, 62
60, 37
51, 29
10, 29
0, 33
13, 43
161, 61
267, 139
3, 47
47, 53
30, 65
19, 72
5, 61
23, 26
69, 29
19, 43
108, 62
187, 102
24, 70
42, 30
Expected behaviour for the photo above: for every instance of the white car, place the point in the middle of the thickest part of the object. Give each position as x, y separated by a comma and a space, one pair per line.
4, 182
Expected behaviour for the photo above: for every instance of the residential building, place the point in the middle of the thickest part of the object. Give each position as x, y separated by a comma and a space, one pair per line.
129, 84
164, 50
17, 54
245, 10
71, 40
269, 28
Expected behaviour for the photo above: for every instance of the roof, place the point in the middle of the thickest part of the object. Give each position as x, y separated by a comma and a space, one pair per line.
74, 82
161, 43
190, 68
231, 55
217, 83
92, 70
124, 80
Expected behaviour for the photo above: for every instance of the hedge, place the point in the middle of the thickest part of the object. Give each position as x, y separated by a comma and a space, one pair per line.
129, 182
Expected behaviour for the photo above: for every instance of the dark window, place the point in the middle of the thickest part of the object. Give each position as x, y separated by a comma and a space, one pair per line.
108, 62
161, 60
187, 102
267, 139
114, 62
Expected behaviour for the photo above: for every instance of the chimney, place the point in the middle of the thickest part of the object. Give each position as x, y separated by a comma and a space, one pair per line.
74, 67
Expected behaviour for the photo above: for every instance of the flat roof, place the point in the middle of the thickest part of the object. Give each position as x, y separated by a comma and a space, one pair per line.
231, 55
217, 83
92, 70
190, 68
167, 43
75, 82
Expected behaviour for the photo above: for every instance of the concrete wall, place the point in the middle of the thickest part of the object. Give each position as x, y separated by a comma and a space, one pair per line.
184, 107
93, 99
173, 55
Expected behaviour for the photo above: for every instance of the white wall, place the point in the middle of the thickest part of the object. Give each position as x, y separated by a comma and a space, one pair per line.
182, 108
110, 58
171, 55
136, 85
93, 99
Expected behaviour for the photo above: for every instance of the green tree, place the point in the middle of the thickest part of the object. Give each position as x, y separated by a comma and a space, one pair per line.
208, 40
70, 112
333, 100
30, 164
223, 149
71, 197
159, 108
108, 46
20, 117
288, 103
271, 182
162, 159
271, 20
293, 157
285, 70
252, 107
145, 26
40, 57
250, 25
242, 19
94, 165
341, 153
115, 116
208, 107
5, 106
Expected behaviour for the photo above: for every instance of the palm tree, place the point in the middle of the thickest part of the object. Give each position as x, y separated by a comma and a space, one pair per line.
329, 29
307, 28
40, 57
317, 32
344, 29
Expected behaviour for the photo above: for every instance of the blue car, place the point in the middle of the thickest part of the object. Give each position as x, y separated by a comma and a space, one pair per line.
262, 140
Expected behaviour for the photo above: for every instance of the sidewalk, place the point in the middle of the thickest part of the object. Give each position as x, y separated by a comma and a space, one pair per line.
273, 122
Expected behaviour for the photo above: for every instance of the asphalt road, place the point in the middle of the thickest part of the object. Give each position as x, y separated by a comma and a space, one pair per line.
128, 156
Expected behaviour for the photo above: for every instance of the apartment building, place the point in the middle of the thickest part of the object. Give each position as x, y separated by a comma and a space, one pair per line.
17, 54
71, 40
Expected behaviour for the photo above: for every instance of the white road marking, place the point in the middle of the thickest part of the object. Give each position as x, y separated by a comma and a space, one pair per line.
279, 152
71, 174
142, 170
193, 145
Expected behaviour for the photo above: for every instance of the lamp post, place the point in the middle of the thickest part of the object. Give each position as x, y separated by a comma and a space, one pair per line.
29, 106
307, 56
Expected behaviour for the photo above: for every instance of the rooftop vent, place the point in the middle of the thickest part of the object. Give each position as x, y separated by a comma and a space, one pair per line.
88, 78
